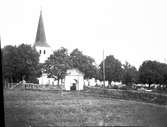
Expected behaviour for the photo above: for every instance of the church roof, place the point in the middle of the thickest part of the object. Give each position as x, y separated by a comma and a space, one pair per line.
40, 36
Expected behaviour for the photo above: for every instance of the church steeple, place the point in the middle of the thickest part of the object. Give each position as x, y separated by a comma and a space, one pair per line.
40, 35
40, 44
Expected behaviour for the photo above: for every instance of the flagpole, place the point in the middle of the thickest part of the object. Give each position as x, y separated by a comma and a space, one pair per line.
103, 70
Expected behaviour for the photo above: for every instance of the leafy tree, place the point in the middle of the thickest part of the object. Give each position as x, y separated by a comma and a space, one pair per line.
20, 63
57, 64
129, 74
153, 72
163, 70
9, 63
29, 67
84, 63
113, 69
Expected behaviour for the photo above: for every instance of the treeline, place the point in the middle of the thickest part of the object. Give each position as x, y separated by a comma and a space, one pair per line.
22, 62
150, 72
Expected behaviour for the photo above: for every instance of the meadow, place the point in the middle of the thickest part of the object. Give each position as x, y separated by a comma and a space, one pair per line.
35, 108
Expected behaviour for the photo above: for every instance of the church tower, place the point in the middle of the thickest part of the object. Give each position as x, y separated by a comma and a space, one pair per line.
41, 45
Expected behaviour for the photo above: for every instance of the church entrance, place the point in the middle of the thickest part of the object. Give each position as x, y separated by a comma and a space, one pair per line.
74, 80
74, 85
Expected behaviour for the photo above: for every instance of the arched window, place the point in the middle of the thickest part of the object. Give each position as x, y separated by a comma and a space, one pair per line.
39, 51
44, 52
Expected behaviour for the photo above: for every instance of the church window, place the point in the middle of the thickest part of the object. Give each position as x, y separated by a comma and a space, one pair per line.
39, 51
44, 52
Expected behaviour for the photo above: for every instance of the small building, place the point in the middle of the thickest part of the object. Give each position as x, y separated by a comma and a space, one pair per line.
74, 80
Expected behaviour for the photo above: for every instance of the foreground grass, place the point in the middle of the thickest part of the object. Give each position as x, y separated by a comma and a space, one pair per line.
50, 108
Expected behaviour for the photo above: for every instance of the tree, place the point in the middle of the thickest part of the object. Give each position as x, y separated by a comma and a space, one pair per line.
57, 64
9, 63
163, 70
153, 72
84, 63
20, 63
113, 69
129, 74
29, 67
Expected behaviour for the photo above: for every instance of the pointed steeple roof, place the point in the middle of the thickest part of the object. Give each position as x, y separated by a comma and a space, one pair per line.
40, 36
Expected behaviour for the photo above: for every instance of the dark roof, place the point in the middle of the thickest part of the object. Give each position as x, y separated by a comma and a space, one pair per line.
40, 36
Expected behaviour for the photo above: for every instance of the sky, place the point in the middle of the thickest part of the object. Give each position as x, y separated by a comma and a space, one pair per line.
131, 30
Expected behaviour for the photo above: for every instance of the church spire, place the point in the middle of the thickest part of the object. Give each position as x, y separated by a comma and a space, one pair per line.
40, 35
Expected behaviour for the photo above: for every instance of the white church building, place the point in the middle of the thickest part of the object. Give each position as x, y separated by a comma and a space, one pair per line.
73, 79
42, 47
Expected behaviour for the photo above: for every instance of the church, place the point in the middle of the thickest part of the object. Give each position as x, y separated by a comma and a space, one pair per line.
41, 45
74, 79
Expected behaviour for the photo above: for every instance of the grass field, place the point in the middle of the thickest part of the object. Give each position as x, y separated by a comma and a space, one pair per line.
50, 108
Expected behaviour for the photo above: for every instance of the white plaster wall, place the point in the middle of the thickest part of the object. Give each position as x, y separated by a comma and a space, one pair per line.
43, 57
68, 83
81, 83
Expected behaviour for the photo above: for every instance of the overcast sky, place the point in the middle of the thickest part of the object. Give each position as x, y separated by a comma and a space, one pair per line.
131, 30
